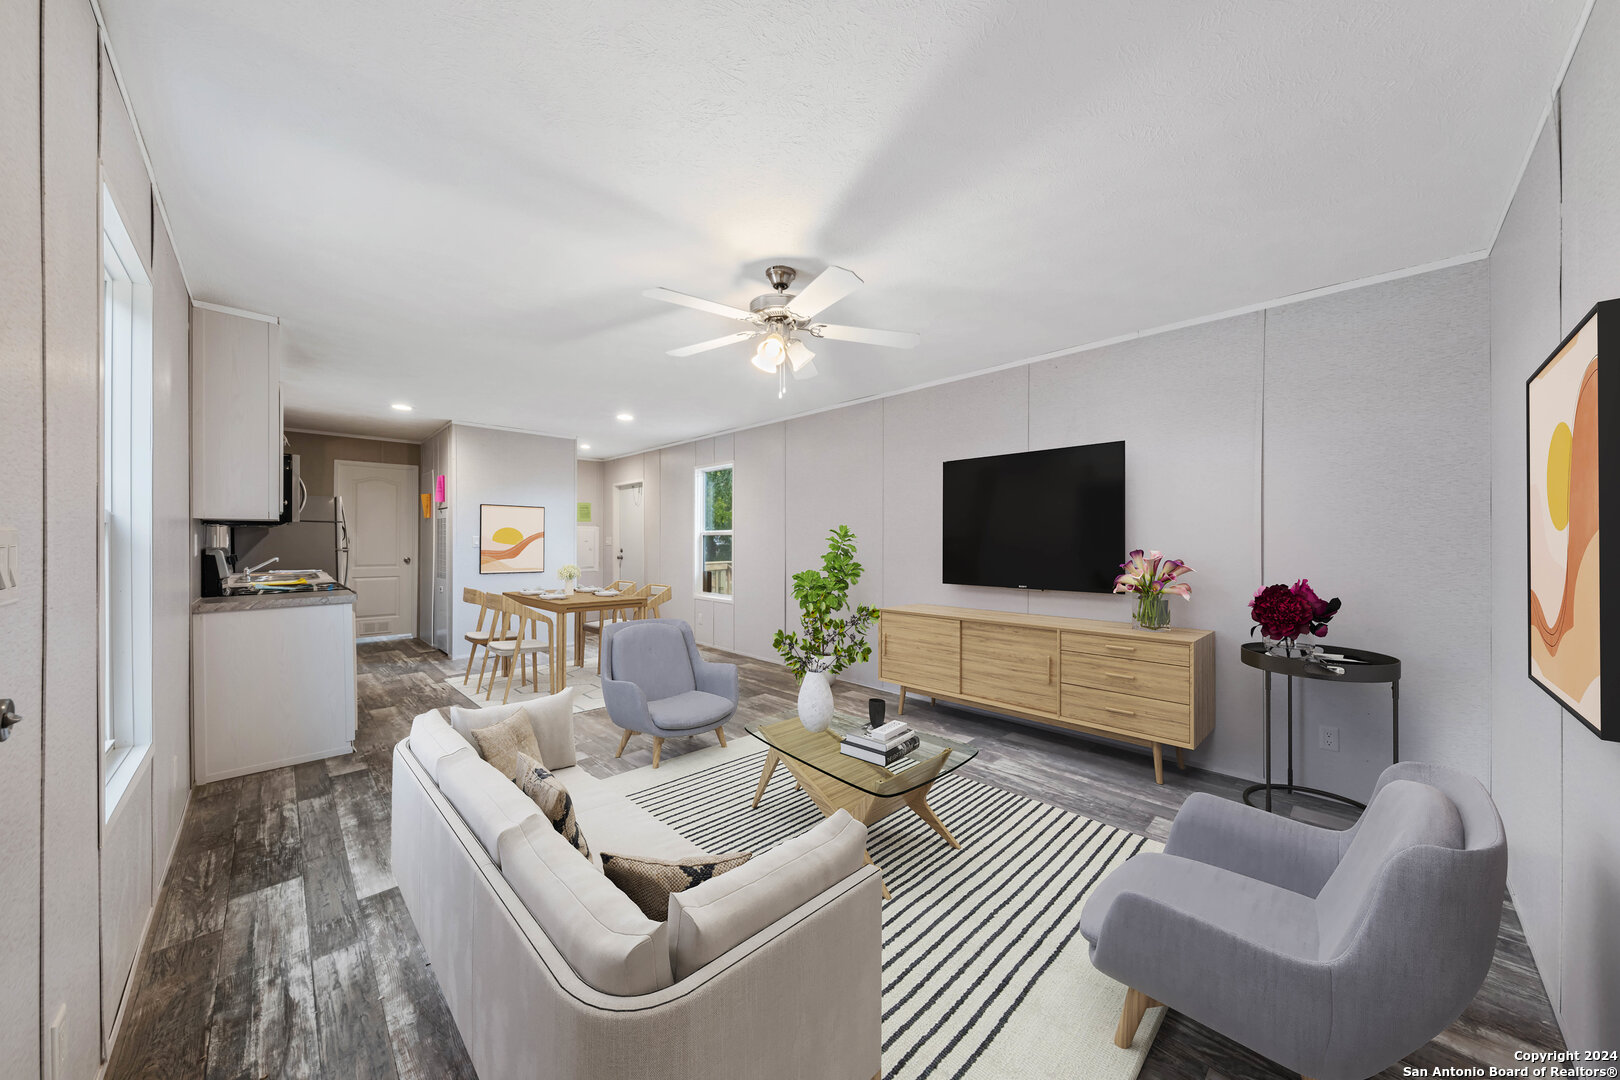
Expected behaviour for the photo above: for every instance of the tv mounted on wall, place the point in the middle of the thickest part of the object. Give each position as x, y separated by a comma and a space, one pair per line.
1045, 519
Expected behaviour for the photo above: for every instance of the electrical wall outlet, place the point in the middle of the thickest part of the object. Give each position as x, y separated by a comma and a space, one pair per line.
1328, 737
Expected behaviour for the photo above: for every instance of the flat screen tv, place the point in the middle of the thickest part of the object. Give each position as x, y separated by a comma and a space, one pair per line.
1046, 519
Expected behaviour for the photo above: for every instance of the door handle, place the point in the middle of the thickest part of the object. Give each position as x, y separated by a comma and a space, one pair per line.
407, 560
8, 718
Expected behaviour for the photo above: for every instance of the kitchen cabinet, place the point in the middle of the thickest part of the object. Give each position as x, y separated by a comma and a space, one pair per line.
273, 682
235, 417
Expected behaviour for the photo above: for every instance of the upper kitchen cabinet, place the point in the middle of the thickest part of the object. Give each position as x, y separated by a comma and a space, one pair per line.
235, 417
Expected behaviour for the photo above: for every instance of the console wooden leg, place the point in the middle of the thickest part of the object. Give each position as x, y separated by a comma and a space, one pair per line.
1130, 1017
902, 710
1181, 758
658, 750
624, 742
1158, 764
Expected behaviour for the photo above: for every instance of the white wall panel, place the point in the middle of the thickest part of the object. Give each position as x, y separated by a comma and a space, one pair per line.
125, 168
676, 531
1192, 487
760, 552
921, 431
1526, 724
71, 722
1590, 996
1377, 449
588, 481
835, 477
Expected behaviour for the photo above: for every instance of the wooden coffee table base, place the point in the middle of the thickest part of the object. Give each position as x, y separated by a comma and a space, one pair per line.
833, 795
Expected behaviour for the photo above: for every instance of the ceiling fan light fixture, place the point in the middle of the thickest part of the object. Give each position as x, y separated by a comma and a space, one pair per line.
770, 354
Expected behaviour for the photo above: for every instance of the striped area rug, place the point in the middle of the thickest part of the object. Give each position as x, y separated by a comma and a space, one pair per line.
985, 973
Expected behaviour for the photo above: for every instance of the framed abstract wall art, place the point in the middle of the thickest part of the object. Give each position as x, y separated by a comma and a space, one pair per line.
1563, 411
511, 539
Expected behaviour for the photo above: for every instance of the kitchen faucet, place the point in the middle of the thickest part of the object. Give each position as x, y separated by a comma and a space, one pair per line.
261, 566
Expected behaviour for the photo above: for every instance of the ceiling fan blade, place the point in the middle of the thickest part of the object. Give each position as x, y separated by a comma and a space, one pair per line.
830, 286
894, 339
800, 356
713, 307
705, 346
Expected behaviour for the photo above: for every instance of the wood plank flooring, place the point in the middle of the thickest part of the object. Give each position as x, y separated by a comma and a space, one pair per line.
281, 948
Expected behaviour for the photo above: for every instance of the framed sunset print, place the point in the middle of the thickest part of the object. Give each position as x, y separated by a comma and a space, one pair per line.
1563, 411
511, 539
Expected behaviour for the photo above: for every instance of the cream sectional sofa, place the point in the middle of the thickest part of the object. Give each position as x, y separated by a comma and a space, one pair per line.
770, 970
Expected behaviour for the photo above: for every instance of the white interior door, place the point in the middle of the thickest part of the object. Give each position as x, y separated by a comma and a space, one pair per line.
380, 504
629, 527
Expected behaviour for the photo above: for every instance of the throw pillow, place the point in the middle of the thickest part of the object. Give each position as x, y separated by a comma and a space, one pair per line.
548, 793
649, 882
551, 717
500, 744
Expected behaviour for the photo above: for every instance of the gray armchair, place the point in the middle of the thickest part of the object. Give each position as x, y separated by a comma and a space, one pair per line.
655, 682
1332, 953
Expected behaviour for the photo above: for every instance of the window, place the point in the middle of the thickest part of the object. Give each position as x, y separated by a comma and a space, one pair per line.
714, 531
126, 503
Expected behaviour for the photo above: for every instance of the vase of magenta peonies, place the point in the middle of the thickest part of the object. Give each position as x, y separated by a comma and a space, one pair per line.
1152, 579
1283, 614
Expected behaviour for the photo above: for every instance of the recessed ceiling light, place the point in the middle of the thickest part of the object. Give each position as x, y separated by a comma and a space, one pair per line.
584, 446
402, 407
626, 417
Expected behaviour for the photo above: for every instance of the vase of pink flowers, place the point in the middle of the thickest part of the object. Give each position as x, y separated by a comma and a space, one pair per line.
1284, 613
1153, 579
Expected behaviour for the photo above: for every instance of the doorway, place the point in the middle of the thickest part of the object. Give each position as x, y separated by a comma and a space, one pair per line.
629, 533
380, 506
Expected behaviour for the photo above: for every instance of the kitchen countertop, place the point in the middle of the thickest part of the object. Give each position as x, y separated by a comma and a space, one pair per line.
207, 605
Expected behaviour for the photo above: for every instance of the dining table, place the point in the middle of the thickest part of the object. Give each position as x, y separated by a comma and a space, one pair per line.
576, 604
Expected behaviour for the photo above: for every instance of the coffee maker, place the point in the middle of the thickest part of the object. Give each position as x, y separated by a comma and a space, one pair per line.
218, 560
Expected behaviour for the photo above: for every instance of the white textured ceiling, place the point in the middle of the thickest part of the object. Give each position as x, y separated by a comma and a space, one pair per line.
458, 205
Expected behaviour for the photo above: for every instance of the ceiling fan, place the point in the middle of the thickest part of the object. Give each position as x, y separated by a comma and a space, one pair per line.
780, 318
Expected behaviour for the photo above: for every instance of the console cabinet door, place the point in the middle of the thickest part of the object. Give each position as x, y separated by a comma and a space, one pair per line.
920, 652
1014, 665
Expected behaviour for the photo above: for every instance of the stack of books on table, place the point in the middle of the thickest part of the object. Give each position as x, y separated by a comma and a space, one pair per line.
881, 745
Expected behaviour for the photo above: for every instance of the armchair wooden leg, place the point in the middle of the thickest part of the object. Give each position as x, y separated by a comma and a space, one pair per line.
658, 749
721, 732
624, 742
1130, 1017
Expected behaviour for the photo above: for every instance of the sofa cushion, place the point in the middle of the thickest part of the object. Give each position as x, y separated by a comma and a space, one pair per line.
654, 657
614, 823
710, 919
488, 802
1403, 815
651, 882
433, 742
552, 718
1282, 921
556, 805
604, 937
503, 744
693, 710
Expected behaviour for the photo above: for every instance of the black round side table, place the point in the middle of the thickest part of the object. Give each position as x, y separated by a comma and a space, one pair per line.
1357, 666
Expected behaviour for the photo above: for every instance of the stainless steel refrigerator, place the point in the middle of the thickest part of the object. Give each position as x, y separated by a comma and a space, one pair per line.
318, 540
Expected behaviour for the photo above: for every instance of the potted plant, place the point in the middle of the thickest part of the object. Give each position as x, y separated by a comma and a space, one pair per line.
832, 634
1282, 614
1152, 578
568, 573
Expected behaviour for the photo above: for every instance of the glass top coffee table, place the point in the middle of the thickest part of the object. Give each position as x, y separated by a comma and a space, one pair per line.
835, 781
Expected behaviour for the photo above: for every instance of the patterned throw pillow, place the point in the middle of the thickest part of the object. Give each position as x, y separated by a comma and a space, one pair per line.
650, 881
548, 793
500, 744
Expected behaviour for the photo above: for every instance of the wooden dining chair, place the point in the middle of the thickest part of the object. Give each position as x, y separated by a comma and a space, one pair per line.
520, 651
629, 592
623, 585
660, 596
489, 607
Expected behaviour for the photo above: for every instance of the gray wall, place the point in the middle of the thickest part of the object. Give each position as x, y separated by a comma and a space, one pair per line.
1253, 464
1557, 784
588, 489
493, 465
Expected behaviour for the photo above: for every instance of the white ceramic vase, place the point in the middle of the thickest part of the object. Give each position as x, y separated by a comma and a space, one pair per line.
816, 700
568, 588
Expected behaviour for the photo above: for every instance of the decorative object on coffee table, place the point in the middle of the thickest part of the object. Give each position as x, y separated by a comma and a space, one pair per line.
1336, 665
1565, 609
815, 694
875, 708
823, 597
568, 574
1283, 614
1152, 579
